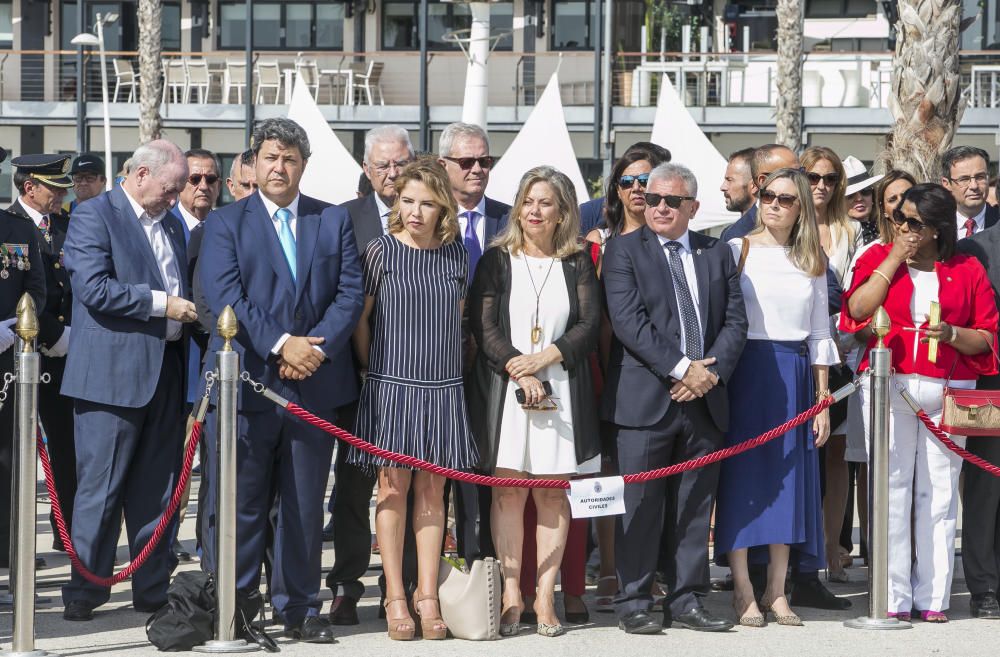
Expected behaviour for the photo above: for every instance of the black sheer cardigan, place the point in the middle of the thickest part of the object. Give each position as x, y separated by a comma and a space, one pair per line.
489, 318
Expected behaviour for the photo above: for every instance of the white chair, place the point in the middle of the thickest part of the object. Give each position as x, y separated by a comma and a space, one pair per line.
125, 76
174, 81
369, 81
198, 79
268, 77
234, 77
309, 73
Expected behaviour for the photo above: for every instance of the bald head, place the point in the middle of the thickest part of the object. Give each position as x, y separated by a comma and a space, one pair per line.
769, 158
157, 172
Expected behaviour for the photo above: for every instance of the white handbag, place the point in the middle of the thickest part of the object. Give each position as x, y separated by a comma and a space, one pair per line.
470, 602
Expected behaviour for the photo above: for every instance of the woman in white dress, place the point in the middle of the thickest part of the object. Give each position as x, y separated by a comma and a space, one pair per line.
535, 313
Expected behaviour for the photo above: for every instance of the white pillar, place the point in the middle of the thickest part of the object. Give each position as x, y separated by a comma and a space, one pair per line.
476, 79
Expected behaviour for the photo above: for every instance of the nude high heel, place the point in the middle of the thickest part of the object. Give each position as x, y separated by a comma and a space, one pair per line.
430, 628
401, 628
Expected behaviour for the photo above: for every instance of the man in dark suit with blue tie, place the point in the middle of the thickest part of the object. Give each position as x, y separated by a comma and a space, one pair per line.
679, 325
464, 152
289, 267
125, 370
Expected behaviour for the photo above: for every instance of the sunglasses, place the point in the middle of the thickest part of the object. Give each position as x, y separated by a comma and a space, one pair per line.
767, 197
914, 225
830, 179
626, 182
466, 163
868, 191
653, 200
195, 179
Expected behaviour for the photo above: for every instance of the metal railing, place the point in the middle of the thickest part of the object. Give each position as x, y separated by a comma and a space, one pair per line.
851, 79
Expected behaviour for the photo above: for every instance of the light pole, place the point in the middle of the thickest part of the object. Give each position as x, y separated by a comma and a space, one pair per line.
88, 39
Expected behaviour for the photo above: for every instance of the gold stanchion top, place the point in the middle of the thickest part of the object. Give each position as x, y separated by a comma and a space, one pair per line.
228, 327
26, 326
881, 325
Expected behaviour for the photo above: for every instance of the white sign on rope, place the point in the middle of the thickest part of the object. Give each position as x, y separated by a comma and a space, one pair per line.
600, 496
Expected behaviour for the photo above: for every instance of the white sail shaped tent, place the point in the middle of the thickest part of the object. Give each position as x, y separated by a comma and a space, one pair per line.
543, 139
675, 129
332, 173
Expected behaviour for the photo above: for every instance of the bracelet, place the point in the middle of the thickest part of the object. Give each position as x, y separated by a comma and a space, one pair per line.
954, 334
887, 279
822, 394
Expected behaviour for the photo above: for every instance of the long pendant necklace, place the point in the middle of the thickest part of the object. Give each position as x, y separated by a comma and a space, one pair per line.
536, 329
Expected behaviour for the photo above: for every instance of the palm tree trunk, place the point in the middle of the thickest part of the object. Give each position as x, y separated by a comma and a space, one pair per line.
926, 100
150, 86
788, 110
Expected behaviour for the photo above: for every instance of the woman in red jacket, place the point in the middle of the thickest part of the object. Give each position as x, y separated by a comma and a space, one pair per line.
918, 267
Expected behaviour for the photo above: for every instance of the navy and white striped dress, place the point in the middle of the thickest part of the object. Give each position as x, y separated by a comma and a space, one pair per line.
413, 401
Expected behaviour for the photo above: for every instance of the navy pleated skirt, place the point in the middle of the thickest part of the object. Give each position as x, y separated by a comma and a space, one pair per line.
771, 494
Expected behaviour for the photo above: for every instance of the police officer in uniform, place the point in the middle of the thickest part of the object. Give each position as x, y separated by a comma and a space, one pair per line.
21, 271
42, 183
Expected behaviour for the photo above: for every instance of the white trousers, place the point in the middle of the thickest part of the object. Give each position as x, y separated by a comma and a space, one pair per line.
923, 490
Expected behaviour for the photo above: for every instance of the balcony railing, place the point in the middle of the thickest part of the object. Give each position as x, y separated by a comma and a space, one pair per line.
515, 78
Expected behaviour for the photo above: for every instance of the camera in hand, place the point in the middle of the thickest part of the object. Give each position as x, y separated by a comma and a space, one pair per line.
519, 393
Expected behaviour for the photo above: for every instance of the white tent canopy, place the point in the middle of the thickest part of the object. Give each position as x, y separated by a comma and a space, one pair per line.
332, 173
675, 129
543, 139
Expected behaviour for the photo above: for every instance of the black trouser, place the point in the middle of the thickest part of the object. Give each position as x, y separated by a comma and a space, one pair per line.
981, 519
472, 521
56, 414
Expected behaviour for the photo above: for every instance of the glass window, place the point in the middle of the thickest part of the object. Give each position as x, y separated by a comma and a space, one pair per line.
840, 8
400, 23
298, 26
330, 26
232, 26
574, 25
170, 27
7, 24
266, 25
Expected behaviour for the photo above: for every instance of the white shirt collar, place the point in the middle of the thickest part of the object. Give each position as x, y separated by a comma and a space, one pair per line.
273, 207
980, 219
35, 215
189, 218
480, 208
685, 240
140, 212
383, 209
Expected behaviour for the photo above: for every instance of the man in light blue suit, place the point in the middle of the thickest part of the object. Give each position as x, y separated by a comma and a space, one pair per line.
289, 266
125, 370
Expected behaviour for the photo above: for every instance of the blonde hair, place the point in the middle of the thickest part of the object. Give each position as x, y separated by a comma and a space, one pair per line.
836, 210
806, 250
566, 240
429, 172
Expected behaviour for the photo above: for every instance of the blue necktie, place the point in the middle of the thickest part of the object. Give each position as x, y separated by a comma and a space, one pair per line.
285, 236
471, 241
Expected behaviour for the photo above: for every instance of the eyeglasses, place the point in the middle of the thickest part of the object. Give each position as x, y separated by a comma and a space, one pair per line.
195, 179
466, 163
965, 181
653, 200
767, 197
626, 182
830, 179
914, 225
384, 167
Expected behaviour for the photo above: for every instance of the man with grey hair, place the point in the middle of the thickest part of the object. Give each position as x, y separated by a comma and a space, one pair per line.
126, 257
387, 151
288, 266
673, 345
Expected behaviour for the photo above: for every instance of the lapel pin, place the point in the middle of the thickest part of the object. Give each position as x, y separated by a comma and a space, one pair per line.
698, 252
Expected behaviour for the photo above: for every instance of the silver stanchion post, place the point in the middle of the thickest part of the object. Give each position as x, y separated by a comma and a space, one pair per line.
22, 517
228, 363
880, 361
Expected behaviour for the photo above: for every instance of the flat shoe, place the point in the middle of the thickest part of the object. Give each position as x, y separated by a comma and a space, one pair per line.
933, 616
551, 630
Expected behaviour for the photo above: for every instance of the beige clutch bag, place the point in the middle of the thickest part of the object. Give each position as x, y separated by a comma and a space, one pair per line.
470, 602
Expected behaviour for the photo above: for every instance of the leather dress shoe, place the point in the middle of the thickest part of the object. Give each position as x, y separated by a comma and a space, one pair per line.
344, 611
812, 593
312, 630
78, 610
328, 531
639, 622
183, 556
698, 618
985, 605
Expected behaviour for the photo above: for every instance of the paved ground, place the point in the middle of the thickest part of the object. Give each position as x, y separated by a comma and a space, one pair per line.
118, 630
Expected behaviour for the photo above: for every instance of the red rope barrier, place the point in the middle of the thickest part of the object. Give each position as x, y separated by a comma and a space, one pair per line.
154, 540
507, 482
953, 446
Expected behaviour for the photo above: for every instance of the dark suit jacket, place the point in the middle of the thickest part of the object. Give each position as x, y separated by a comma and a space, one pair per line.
985, 247
114, 273
742, 226
591, 214
248, 271
497, 214
57, 311
365, 220
992, 216
643, 309
16, 232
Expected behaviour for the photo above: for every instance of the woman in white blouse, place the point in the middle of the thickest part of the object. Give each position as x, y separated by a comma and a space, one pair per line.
769, 497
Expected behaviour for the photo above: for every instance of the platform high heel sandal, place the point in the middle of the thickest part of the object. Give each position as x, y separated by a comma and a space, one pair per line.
401, 628
433, 629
